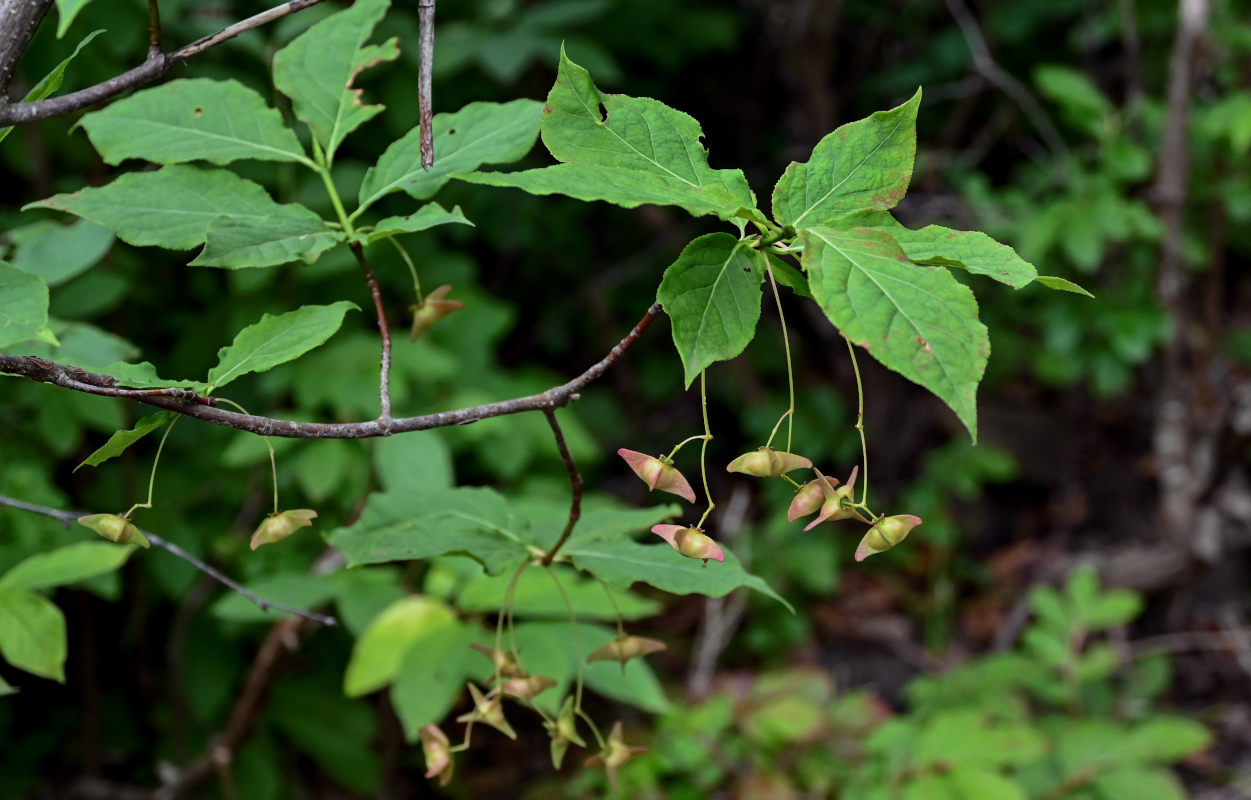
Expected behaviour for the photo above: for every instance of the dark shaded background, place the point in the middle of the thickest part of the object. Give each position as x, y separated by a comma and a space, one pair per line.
1113, 431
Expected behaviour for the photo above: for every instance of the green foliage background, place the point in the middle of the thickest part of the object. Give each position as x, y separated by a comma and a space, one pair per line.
157, 654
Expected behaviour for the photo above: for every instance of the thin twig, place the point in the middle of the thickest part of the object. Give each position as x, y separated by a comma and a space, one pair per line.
425, 19
575, 483
988, 68
42, 370
70, 517
154, 29
384, 330
156, 65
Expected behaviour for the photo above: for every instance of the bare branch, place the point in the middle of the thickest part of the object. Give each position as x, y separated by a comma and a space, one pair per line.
21, 20
575, 481
988, 68
201, 408
283, 637
156, 65
384, 330
425, 18
70, 517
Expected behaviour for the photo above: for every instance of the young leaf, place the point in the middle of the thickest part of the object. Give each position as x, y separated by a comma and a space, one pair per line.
788, 276
238, 243
1061, 285
318, 68
627, 151
120, 440
480, 133
32, 634
420, 523
621, 562
428, 216
861, 165
976, 252
64, 565
712, 294
6, 688
49, 84
68, 9
277, 340
919, 321
23, 307
190, 120
174, 206
380, 650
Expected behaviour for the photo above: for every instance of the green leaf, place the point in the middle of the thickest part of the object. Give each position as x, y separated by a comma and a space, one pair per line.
1129, 782
611, 523
235, 243
57, 252
380, 650
428, 216
976, 783
190, 120
788, 276
622, 562
120, 440
712, 295
919, 321
1061, 285
68, 9
432, 675
976, 252
172, 207
627, 151
277, 340
64, 565
1165, 740
49, 84
479, 133
421, 522
861, 165
138, 376
318, 68
6, 688
536, 595
32, 634
23, 307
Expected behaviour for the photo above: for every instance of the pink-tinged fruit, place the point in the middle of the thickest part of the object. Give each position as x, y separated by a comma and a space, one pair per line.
768, 463
690, 542
487, 710
657, 474
115, 528
438, 751
431, 309
885, 534
833, 509
280, 525
615, 754
564, 731
624, 648
810, 497
503, 662
527, 687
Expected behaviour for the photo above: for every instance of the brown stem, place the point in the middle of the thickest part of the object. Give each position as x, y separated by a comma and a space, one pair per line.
155, 66
21, 18
1176, 440
70, 517
45, 371
384, 330
425, 18
154, 29
575, 482
283, 637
